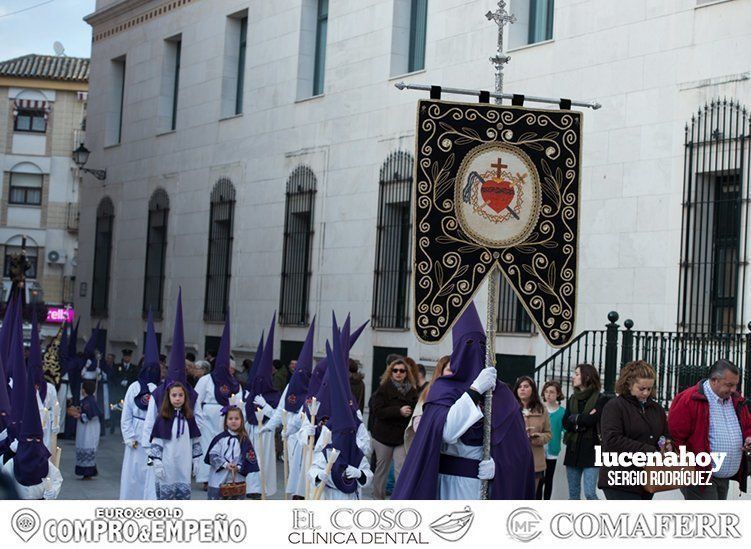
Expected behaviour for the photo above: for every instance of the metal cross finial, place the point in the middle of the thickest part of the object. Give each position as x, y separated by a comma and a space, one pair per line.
501, 17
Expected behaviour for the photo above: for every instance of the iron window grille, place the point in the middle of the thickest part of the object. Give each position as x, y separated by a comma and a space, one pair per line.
512, 316
297, 252
156, 253
715, 222
219, 268
100, 283
394, 230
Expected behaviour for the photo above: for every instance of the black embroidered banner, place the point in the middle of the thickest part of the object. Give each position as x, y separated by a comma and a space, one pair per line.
496, 184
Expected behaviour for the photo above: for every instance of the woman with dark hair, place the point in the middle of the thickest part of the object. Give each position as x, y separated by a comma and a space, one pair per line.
552, 395
392, 405
442, 365
582, 422
536, 420
633, 422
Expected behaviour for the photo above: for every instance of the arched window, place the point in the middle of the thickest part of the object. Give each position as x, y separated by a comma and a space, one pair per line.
100, 283
218, 270
156, 251
392, 260
26, 181
298, 239
715, 227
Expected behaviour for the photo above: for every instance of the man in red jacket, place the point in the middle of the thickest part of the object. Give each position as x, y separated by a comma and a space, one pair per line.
713, 416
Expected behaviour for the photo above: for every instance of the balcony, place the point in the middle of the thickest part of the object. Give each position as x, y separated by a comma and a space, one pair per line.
72, 217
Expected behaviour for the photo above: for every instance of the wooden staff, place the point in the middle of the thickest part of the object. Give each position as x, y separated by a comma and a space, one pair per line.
285, 446
333, 455
259, 418
55, 424
314, 405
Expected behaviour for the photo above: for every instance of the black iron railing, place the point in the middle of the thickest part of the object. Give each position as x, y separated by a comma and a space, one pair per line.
679, 359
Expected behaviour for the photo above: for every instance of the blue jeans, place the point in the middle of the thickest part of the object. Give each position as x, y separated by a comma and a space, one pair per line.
574, 476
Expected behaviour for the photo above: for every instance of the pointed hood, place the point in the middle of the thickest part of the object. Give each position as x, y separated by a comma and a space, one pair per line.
249, 406
341, 422
18, 371
262, 380
5, 329
73, 341
31, 462
150, 369
4, 399
320, 370
35, 365
92, 344
176, 372
225, 384
297, 389
323, 395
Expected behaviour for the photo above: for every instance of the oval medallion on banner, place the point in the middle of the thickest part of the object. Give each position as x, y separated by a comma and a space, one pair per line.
497, 196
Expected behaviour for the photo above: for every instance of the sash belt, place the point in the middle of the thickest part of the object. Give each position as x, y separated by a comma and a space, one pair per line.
458, 466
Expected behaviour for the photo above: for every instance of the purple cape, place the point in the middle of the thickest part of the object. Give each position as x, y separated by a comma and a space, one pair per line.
31, 462
261, 383
510, 447
249, 462
163, 427
297, 389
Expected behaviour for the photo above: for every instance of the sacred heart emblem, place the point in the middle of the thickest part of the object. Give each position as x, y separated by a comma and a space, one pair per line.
251, 455
292, 399
145, 398
224, 389
497, 194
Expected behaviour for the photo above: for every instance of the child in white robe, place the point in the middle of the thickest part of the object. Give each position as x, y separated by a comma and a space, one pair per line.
136, 478
231, 456
88, 431
362, 474
175, 445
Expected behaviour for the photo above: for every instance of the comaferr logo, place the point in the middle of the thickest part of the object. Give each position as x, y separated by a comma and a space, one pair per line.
524, 524
641, 525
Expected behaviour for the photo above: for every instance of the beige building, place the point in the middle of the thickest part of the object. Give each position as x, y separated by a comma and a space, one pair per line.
42, 120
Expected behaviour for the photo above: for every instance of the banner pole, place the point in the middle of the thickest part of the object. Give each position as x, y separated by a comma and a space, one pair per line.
500, 17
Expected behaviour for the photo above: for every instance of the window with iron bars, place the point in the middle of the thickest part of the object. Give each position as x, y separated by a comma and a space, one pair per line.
512, 316
219, 267
715, 224
394, 229
298, 240
100, 282
156, 252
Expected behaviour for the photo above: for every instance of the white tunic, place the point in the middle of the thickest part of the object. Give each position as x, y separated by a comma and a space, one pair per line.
209, 418
53, 481
88, 431
293, 484
227, 450
265, 448
331, 492
177, 456
136, 478
63, 394
462, 415
49, 412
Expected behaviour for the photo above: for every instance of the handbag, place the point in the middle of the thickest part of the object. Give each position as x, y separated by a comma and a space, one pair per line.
232, 490
651, 488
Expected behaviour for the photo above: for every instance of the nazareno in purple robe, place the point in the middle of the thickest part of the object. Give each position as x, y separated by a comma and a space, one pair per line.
510, 447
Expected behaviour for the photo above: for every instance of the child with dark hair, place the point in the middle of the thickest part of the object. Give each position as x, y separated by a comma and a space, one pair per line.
231, 455
89, 418
175, 444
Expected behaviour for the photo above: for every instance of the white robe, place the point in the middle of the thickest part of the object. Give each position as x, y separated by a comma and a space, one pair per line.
177, 455
227, 450
53, 481
363, 442
331, 492
266, 451
462, 415
293, 484
88, 431
136, 478
63, 394
49, 412
209, 418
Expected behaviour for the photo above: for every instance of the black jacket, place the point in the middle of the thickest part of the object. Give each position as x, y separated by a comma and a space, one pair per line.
627, 426
389, 425
588, 426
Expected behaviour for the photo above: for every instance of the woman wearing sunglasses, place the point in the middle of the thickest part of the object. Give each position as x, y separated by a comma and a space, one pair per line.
392, 405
